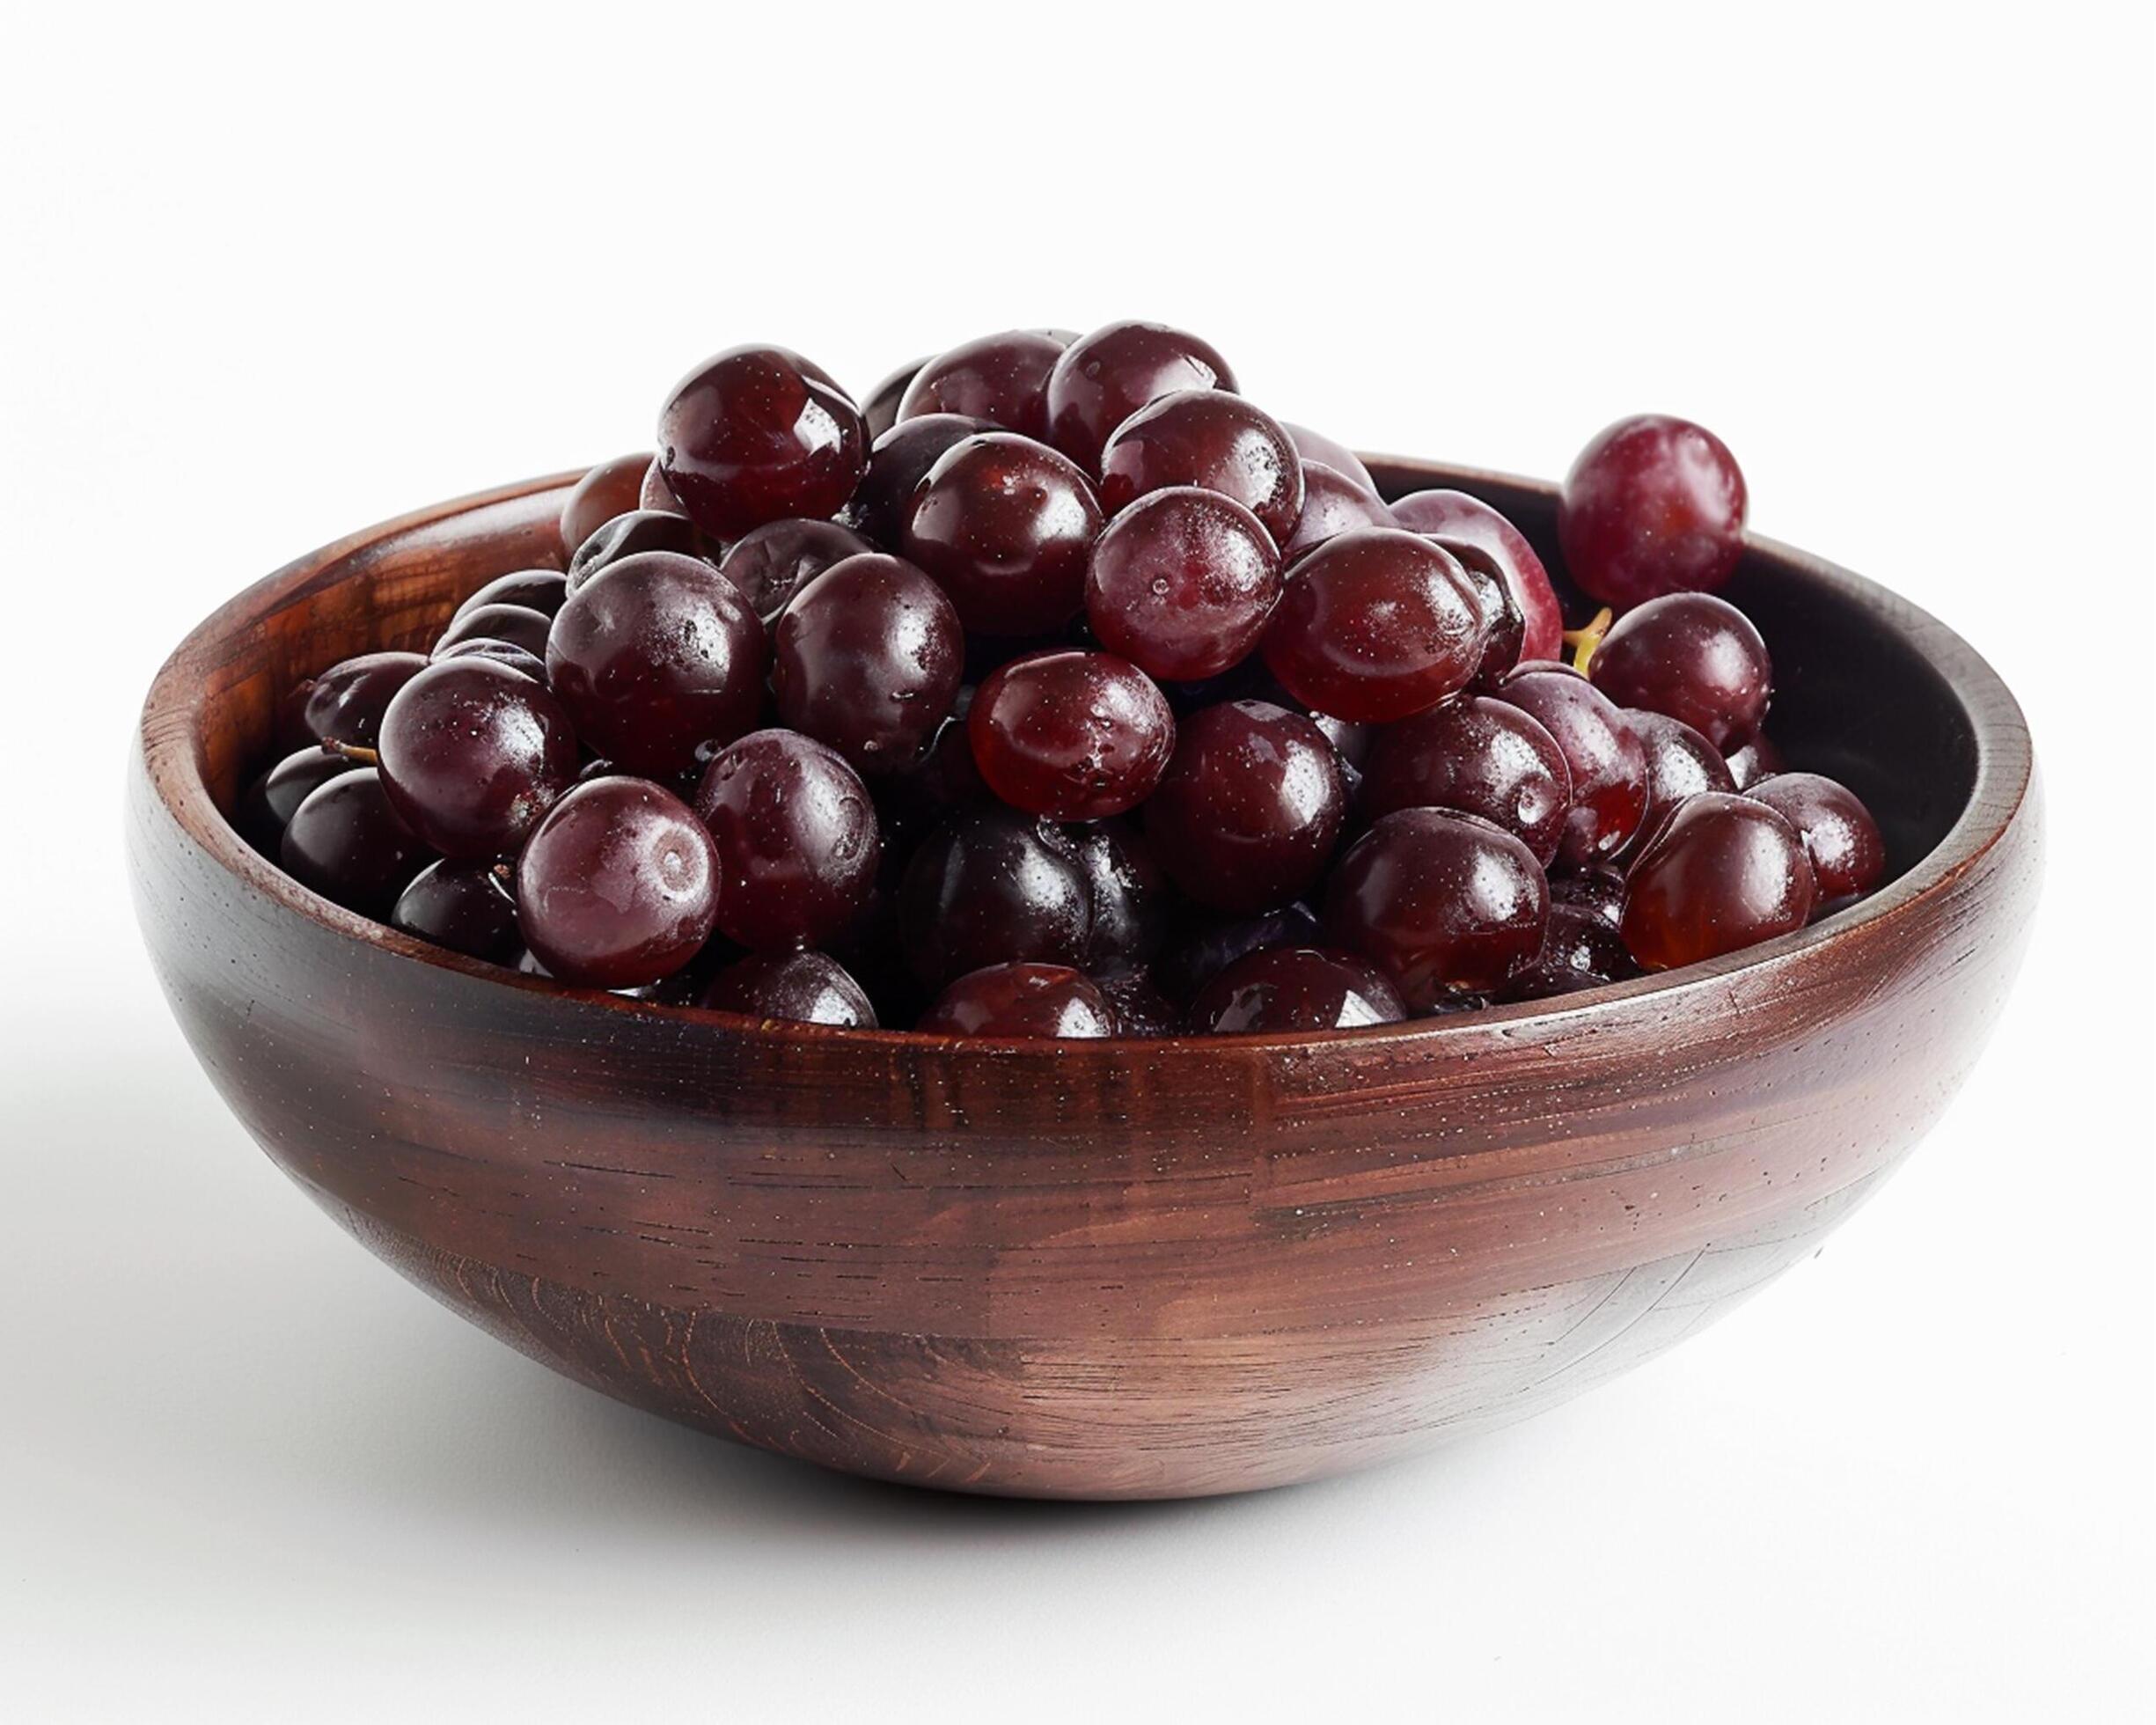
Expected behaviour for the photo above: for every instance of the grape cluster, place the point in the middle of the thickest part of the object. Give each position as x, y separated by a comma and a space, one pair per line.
1065, 691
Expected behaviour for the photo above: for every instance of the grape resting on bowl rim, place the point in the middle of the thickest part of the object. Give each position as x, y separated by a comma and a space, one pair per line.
1067, 693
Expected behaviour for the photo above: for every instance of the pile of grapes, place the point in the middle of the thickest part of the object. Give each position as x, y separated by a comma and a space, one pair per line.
1060, 691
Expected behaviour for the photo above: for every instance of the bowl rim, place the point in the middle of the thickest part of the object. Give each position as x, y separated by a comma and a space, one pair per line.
171, 756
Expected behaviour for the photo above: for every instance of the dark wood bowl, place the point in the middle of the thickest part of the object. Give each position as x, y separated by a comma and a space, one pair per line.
1108, 1270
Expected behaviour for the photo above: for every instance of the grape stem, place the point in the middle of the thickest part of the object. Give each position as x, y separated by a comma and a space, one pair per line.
351, 752
1584, 641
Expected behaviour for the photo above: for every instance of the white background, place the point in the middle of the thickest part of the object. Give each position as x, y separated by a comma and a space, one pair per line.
267, 277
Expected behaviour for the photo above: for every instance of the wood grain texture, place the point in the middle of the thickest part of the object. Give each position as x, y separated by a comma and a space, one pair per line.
1090, 1270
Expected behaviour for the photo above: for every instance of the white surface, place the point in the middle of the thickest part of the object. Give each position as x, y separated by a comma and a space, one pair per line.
268, 279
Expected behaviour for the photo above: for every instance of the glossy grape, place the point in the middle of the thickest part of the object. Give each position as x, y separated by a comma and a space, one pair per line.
347, 842
1607, 760
1454, 519
1599, 891
868, 659
1286, 988
797, 836
268, 805
1140, 1009
916, 797
1374, 625
1203, 950
897, 463
535, 589
1725, 872
1475, 756
613, 488
1181, 583
345, 703
992, 886
1005, 525
1332, 505
1070, 735
1693, 657
1681, 763
1654, 505
518, 625
777, 560
1214, 441
627, 536
1504, 630
618, 887
1317, 446
1002, 378
1849, 857
1442, 902
654, 654
1021, 1001
1580, 950
1132, 899
1245, 818
879, 407
799, 987
1101, 380
473, 754
759, 434
464, 907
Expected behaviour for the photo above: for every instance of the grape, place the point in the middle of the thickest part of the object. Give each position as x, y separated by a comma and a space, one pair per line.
1181, 583
1016, 1000
626, 536
1332, 505
1476, 756
1848, 856
1607, 760
868, 659
802, 988
1004, 525
345, 703
759, 434
1101, 380
271, 800
1453, 519
1214, 441
1284, 988
992, 886
1317, 446
777, 560
796, 837
518, 625
473, 754
535, 589
347, 842
1725, 872
1692, 657
1654, 505
1072, 736
1001, 378
1245, 818
609, 489
464, 907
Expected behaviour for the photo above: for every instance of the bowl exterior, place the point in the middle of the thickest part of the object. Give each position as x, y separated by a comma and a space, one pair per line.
1110, 1270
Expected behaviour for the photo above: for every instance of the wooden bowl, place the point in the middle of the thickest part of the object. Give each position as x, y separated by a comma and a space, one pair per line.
1105, 1270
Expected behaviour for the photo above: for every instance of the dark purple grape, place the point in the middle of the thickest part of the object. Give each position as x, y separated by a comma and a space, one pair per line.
1692, 657
1214, 441
1181, 583
1476, 756
1005, 525
1288, 988
1020, 1001
1600, 892
518, 625
879, 407
943, 778
1141, 1010
1072, 736
349, 845
1654, 505
609, 489
759, 434
619, 885
1453, 519
1724, 873
1581, 949
867, 659
1681, 763
1101, 380
899, 462
535, 589
1757, 759
1203, 951
1442, 902
654, 654
1849, 858
473, 754
1332, 505
1608, 762
779, 559
1317, 446
1245, 818
992, 886
798, 988
345, 703
1002, 378
465, 907
1130, 897
630, 535
797, 837
1374, 625
267, 807
501, 652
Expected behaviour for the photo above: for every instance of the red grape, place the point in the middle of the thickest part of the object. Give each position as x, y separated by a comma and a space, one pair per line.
347, 841
1475, 756
1849, 857
759, 434
1332, 505
1181, 583
1070, 735
473, 754
464, 907
1692, 657
1607, 759
1101, 380
796, 837
992, 886
800, 987
1317, 446
1245, 818
1002, 378
1453, 519
1211, 439
773, 563
1005, 526
1654, 505
867, 659
613, 488
1016, 1000
1725, 872
345, 703
1286, 988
